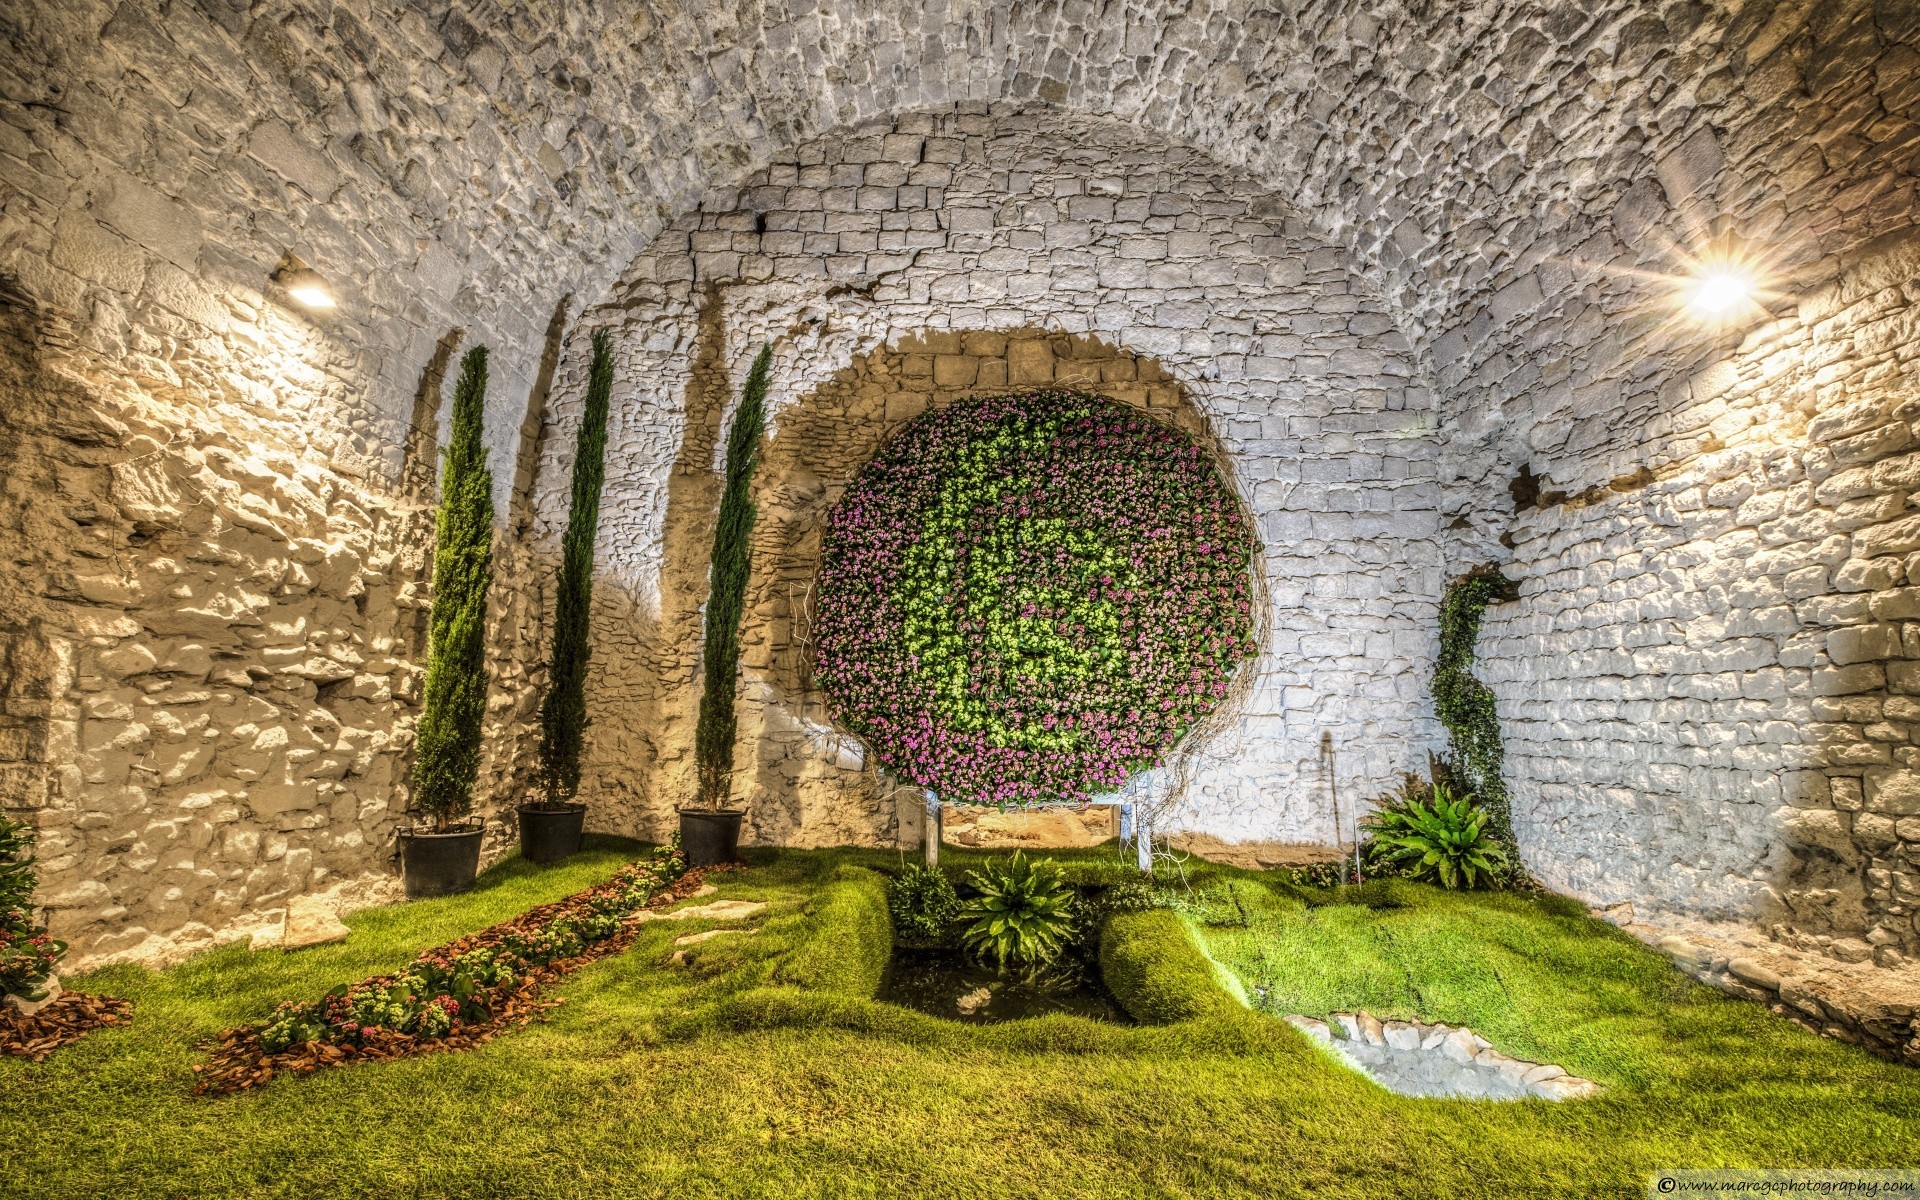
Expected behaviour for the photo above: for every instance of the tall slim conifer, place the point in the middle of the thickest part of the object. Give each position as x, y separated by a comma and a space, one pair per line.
447, 741
732, 537
563, 711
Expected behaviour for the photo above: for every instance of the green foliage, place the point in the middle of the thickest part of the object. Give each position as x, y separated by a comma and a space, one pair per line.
1023, 916
17, 876
1332, 873
923, 904
1158, 972
816, 1093
713, 735
847, 940
1464, 704
1124, 896
27, 956
563, 711
1443, 839
447, 740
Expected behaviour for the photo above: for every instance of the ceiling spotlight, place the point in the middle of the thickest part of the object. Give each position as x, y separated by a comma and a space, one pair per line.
307, 287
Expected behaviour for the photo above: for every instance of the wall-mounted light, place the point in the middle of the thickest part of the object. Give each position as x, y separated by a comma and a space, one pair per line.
305, 286
1721, 291
1723, 285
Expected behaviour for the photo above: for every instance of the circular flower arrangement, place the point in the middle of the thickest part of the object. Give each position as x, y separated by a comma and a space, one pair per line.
1029, 597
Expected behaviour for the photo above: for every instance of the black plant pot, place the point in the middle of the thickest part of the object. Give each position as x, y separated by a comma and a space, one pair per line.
709, 837
439, 864
548, 835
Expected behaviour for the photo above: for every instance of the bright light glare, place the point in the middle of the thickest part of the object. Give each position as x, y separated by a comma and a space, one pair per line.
312, 295
1720, 292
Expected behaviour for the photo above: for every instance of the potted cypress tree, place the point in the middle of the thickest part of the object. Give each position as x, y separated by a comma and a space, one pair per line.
709, 829
444, 856
550, 827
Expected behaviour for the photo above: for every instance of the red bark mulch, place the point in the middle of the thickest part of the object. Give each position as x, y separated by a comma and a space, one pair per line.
240, 1062
72, 1016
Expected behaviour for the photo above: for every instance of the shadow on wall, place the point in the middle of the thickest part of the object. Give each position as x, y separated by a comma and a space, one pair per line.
808, 783
655, 684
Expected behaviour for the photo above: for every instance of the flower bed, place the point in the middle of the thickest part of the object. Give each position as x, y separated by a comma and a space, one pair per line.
452, 997
1030, 597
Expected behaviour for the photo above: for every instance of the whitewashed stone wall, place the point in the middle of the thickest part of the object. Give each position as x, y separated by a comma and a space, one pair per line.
925, 258
1709, 682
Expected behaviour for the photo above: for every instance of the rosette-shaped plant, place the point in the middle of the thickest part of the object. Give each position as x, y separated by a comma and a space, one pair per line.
1030, 597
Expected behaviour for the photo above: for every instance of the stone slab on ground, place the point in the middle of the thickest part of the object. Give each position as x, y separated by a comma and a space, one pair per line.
718, 910
1857, 1002
311, 921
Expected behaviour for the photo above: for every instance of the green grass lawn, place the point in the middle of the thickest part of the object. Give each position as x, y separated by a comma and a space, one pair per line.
761, 1068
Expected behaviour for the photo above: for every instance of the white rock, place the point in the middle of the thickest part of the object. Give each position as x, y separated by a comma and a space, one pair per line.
1401, 1036
1459, 1046
1564, 1087
707, 935
718, 910
311, 921
1502, 1063
27, 1008
1317, 1030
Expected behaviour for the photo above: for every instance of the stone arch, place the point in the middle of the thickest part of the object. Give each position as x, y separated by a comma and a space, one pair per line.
974, 223
810, 783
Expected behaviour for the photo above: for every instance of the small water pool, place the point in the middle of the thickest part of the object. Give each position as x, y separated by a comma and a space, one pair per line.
954, 985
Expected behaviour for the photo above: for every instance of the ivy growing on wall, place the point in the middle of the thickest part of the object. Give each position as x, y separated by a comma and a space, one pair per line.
727, 596
1464, 704
563, 711
447, 740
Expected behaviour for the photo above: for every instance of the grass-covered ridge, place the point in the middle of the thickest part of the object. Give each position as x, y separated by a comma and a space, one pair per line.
762, 1068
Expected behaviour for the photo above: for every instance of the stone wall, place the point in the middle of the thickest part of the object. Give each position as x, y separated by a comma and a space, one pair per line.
217, 503
1708, 680
925, 258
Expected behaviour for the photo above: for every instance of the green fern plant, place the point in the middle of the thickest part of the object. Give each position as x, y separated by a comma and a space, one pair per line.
1023, 916
1442, 839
